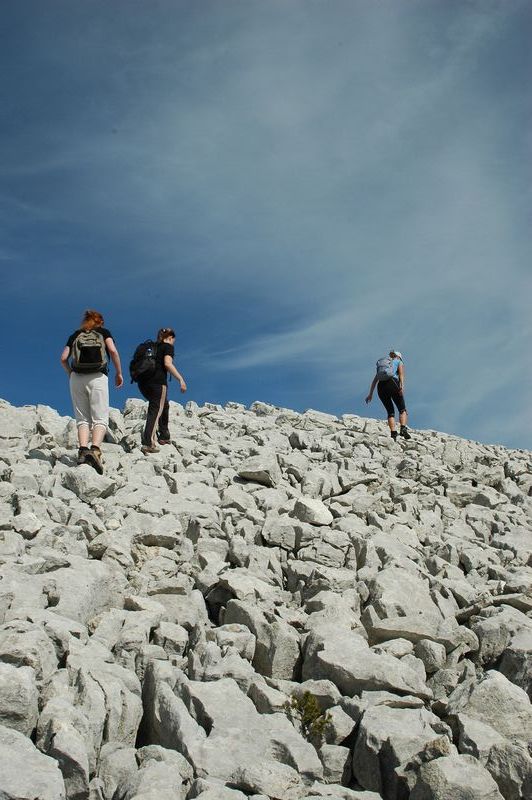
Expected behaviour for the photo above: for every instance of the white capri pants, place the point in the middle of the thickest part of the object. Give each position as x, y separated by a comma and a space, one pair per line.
90, 398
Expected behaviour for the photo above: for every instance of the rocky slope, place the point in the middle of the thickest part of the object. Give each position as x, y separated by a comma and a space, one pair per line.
280, 605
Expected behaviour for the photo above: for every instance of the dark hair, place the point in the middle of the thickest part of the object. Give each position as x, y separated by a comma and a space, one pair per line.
91, 319
164, 333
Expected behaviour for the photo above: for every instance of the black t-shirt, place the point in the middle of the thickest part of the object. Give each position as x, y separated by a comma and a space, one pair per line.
104, 332
160, 376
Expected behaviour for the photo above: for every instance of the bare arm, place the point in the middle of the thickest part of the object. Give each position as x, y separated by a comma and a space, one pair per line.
115, 358
169, 366
401, 373
64, 360
371, 390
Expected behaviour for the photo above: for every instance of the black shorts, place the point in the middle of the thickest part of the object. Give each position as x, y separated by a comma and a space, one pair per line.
390, 393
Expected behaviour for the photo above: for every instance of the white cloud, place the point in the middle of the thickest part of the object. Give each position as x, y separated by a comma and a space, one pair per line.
341, 168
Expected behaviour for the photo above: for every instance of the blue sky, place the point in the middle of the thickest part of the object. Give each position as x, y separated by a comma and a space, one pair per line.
294, 185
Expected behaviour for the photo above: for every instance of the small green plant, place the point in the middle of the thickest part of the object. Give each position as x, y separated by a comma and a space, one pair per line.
306, 709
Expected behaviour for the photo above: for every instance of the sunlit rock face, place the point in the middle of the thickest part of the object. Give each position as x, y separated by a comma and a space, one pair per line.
276, 605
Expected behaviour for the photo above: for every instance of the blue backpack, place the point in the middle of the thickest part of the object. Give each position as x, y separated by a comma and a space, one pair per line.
385, 369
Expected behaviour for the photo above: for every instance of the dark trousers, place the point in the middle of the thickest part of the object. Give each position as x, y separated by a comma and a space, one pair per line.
390, 393
157, 417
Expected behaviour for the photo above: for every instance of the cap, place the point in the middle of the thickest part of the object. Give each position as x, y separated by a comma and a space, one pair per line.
397, 353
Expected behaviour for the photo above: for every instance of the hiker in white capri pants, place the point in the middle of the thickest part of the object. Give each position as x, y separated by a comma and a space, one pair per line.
85, 359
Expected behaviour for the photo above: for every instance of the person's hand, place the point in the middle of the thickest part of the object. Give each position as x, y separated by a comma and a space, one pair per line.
119, 380
369, 398
183, 387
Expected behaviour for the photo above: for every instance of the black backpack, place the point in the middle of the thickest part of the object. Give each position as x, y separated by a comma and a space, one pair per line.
88, 352
144, 362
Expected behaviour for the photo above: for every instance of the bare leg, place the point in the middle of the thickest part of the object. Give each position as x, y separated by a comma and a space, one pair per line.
83, 434
391, 423
403, 418
98, 434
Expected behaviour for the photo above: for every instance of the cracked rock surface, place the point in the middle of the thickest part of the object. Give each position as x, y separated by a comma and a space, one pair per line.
277, 606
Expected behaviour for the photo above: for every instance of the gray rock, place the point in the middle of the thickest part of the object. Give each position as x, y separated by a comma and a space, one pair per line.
85, 589
86, 484
390, 737
262, 469
65, 744
263, 555
455, 778
26, 773
24, 644
346, 659
279, 531
267, 699
18, 698
339, 726
239, 637
277, 652
205, 790
509, 764
432, 654
496, 702
156, 780
516, 661
336, 762
337, 792
117, 766
252, 764
495, 631
312, 511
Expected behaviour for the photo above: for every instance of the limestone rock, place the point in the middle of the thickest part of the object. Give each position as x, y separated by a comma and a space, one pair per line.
18, 698
261, 469
25, 772
151, 615
390, 737
455, 778
313, 511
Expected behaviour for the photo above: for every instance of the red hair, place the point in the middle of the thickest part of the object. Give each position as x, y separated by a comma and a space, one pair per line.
91, 319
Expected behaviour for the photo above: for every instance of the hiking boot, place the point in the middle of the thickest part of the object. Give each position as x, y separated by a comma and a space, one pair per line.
82, 454
149, 448
94, 458
393, 434
404, 432
164, 441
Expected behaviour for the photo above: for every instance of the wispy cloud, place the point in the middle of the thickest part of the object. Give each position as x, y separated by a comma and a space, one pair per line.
305, 184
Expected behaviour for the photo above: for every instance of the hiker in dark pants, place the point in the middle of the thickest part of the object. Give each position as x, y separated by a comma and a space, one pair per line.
390, 381
85, 359
155, 390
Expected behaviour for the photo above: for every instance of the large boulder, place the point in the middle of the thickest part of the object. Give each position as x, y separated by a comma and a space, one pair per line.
494, 701
262, 469
26, 773
19, 698
270, 759
277, 651
390, 737
312, 511
346, 659
458, 777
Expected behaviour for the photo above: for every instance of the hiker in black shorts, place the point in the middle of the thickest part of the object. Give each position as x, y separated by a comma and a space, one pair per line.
155, 390
390, 381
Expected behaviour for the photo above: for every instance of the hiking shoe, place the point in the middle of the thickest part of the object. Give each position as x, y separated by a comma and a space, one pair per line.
148, 448
82, 454
164, 441
94, 458
393, 434
404, 432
